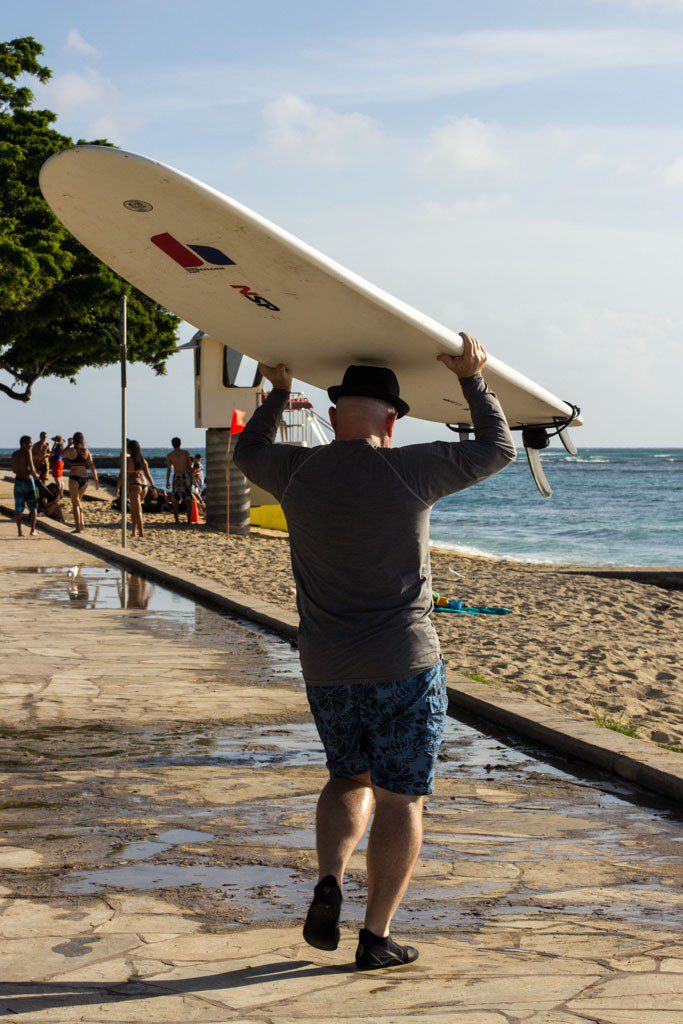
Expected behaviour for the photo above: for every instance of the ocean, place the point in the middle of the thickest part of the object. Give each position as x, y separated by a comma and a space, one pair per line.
610, 506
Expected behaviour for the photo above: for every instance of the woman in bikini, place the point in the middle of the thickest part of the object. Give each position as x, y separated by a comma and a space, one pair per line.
80, 461
138, 475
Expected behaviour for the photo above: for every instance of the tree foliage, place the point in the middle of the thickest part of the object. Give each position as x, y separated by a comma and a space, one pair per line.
58, 303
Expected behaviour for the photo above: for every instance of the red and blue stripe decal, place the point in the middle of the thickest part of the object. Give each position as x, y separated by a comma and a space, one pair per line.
189, 256
195, 257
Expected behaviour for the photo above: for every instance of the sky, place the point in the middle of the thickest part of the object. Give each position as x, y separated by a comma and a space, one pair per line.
513, 168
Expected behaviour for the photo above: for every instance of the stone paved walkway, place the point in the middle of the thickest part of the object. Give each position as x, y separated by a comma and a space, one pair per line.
159, 774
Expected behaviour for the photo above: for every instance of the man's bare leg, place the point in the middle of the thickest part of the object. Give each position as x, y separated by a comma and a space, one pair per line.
19, 520
344, 809
393, 848
342, 816
32, 518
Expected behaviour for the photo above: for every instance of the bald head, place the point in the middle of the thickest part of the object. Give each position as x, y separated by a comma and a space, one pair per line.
358, 418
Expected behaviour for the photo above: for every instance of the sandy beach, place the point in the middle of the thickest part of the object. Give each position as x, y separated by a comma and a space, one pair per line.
588, 645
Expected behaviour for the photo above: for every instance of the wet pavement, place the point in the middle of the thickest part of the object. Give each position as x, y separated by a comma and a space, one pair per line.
159, 776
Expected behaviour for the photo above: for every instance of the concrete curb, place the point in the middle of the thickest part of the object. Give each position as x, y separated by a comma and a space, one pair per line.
669, 577
635, 760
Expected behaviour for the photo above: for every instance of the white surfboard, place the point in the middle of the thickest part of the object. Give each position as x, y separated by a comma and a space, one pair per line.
245, 281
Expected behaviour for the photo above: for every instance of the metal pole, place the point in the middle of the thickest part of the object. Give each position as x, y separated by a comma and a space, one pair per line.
227, 488
123, 338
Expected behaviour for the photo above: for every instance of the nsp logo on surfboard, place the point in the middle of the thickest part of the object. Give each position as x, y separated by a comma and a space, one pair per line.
194, 259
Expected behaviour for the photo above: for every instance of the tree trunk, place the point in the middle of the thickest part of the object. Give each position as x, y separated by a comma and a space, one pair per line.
217, 441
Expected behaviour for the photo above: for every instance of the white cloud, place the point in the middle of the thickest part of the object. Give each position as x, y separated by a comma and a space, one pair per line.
673, 175
296, 129
463, 146
106, 127
398, 69
76, 43
424, 66
73, 89
545, 160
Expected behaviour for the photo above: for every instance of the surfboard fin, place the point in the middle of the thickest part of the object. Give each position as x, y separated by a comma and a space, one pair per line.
567, 441
535, 439
463, 430
537, 472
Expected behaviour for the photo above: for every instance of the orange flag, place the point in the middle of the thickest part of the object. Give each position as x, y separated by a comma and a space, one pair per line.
237, 425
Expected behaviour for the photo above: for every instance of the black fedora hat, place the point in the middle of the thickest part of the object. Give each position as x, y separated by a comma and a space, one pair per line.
370, 382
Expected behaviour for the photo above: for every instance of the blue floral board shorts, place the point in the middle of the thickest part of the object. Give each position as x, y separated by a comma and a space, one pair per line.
25, 494
393, 730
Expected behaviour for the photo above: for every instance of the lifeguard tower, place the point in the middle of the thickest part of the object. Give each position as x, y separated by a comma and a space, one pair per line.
224, 381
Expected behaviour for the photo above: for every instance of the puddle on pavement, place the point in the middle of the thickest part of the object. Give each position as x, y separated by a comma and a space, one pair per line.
143, 849
270, 892
243, 879
266, 892
103, 587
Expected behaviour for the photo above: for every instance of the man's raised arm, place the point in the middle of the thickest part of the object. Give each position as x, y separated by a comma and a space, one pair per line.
443, 467
256, 454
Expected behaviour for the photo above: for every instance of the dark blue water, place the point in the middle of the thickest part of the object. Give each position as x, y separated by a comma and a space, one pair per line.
610, 506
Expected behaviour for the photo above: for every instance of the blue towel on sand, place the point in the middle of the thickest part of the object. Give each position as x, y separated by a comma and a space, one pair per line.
456, 607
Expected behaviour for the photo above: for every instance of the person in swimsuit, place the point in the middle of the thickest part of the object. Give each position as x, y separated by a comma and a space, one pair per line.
41, 453
138, 477
180, 462
25, 480
80, 462
198, 484
50, 501
198, 473
57, 463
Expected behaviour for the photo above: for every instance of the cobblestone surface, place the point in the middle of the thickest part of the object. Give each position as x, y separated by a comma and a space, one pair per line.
159, 774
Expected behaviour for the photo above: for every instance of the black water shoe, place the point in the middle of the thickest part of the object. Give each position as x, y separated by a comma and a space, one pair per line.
322, 923
375, 952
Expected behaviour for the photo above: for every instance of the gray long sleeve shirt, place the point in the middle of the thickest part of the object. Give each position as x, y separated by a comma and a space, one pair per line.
358, 518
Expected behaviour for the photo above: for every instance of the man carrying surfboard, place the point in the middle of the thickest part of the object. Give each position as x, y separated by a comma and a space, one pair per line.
358, 518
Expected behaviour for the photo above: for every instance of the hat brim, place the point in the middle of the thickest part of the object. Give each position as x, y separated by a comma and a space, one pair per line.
339, 391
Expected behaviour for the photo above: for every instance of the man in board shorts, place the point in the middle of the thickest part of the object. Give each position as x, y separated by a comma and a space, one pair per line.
25, 480
358, 518
41, 452
179, 462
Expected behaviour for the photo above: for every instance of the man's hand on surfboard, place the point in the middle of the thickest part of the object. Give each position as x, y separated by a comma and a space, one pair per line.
471, 361
279, 376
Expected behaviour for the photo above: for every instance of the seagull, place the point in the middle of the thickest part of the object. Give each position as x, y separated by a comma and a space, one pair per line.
72, 573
